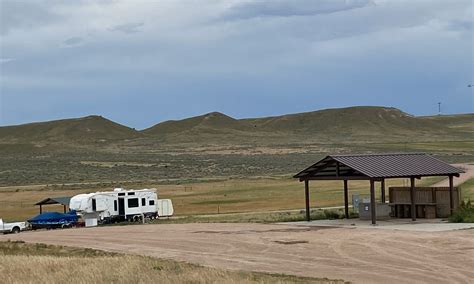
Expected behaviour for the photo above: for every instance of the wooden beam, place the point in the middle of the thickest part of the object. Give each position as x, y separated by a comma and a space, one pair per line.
346, 199
41, 209
339, 178
372, 203
412, 199
306, 194
451, 195
313, 168
337, 169
382, 188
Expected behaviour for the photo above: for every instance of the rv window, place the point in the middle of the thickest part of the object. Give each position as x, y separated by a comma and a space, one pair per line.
143, 202
131, 193
133, 202
115, 205
121, 194
94, 205
151, 202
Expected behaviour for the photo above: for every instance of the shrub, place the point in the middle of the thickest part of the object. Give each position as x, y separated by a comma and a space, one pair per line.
331, 214
464, 213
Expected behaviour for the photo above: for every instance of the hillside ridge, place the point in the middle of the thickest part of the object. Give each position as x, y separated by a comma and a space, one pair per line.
360, 122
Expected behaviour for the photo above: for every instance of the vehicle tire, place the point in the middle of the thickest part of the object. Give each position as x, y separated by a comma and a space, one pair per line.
16, 230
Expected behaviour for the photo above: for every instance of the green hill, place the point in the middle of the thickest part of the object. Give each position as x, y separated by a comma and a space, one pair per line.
352, 118
76, 131
211, 123
458, 122
344, 125
365, 123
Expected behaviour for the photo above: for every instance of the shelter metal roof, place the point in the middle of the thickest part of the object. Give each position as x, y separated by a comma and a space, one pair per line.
55, 200
387, 165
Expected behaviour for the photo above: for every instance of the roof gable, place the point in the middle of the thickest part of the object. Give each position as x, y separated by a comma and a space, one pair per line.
55, 200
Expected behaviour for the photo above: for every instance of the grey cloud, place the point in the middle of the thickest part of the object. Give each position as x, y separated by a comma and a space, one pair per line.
128, 28
458, 25
284, 8
73, 41
25, 15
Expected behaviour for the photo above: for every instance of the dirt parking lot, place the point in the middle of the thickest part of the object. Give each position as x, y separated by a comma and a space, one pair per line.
352, 254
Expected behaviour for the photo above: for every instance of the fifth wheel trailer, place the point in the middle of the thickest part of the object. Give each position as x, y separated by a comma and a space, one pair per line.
120, 205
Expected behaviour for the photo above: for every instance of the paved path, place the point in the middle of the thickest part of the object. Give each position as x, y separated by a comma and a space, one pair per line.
357, 255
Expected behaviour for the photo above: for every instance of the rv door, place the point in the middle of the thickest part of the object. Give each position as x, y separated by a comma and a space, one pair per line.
121, 207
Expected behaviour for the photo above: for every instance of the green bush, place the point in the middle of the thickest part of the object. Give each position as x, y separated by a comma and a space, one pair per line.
331, 215
464, 213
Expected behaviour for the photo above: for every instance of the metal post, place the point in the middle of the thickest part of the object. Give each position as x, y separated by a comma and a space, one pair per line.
346, 199
382, 188
451, 195
372, 202
412, 199
306, 193
64, 209
41, 209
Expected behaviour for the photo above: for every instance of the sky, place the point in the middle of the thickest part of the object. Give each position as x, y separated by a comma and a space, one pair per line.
143, 62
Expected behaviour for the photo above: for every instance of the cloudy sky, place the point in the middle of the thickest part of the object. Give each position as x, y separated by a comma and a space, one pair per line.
142, 62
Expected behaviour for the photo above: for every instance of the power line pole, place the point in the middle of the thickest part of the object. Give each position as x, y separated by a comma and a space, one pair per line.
439, 108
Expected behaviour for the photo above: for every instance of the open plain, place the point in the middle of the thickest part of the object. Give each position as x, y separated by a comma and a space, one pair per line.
352, 254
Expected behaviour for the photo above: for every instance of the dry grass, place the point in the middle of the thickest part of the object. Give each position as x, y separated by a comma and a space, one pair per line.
230, 196
28, 263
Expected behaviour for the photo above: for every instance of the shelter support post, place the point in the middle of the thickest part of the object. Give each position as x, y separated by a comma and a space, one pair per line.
306, 194
346, 199
382, 188
41, 209
64, 206
372, 202
412, 199
451, 195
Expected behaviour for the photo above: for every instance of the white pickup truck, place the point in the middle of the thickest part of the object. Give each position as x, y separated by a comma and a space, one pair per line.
14, 227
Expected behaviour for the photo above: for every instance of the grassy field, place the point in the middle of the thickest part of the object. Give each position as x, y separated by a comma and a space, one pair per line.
203, 198
39, 263
467, 190
165, 164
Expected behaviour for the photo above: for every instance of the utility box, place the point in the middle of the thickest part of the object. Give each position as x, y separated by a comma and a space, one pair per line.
382, 211
91, 222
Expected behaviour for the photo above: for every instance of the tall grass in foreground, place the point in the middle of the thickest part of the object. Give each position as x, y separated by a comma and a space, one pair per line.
39, 263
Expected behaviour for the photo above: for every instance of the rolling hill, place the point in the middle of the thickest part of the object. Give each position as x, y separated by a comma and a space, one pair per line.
215, 145
214, 123
353, 124
350, 120
76, 131
459, 122
357, 123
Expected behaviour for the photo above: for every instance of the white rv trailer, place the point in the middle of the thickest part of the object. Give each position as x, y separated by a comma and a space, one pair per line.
120, 204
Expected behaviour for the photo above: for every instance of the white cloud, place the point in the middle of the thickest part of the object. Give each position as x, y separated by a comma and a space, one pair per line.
284, 8
6, 60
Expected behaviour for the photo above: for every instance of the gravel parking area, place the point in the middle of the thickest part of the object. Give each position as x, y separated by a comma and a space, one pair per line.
360, 255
